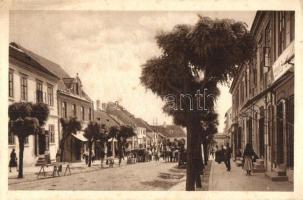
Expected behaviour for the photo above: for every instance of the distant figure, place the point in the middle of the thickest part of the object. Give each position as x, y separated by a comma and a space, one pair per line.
93, 156
227, 156
13, 161
248, 158
217, 155
102, 155
85, 157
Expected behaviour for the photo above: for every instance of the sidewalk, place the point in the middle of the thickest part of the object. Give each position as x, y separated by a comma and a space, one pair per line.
30, 173
236, 180
205, 180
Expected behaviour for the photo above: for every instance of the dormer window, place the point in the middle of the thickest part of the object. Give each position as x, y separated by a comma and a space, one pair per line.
77, 88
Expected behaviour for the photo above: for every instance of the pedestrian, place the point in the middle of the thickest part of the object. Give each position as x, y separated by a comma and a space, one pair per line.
85, 156
217, 155
248, 158
93, 156
13, 161
227, 157
102, 154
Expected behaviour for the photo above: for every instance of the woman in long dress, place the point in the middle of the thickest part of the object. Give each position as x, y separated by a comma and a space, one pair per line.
13, 161
248, 158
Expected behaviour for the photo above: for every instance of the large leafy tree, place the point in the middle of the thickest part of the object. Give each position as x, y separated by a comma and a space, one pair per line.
93, 132
196, 59
26, 119
69, 126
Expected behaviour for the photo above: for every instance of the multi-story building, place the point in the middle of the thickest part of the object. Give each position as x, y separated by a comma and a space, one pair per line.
124, 117
263, 94
73, 102
227, 126
102, 117
150, 134
31, 81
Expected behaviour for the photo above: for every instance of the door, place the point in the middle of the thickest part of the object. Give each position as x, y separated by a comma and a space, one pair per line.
261, 137
280, 133
41, 144
261, 133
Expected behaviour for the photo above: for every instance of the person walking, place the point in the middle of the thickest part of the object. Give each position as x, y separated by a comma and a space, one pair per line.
227, 157
13, 161
248, 158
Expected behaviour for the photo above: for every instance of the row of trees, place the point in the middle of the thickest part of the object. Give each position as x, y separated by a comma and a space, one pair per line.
26, 119
195, 58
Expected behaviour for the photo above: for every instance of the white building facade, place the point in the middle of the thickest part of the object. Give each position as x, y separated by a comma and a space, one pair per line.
30, 82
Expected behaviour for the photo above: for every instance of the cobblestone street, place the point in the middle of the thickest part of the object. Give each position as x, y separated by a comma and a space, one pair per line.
152, 176
140, 176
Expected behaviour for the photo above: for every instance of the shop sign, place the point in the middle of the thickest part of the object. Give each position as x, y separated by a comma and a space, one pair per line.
281, 65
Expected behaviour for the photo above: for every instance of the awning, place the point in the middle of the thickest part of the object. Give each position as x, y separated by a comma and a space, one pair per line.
80, 136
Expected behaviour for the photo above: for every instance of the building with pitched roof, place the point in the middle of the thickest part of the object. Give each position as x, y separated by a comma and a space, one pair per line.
32, 81
71, 101
263, 95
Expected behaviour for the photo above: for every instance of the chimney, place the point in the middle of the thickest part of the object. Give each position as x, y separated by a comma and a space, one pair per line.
98, 104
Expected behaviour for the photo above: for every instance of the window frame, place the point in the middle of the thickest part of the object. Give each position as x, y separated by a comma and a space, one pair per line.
11, 83
24, 87
39, 91
82, 113
50, 95
51, 130
64, 109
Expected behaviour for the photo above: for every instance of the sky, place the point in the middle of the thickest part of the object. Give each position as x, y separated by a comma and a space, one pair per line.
107, 50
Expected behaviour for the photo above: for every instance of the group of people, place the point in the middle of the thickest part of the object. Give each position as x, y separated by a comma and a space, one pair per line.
224, 155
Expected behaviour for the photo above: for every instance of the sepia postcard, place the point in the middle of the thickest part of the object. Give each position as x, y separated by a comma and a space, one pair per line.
156, 100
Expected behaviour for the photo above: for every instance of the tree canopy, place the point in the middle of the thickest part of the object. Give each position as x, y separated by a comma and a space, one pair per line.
196, 59
215, 47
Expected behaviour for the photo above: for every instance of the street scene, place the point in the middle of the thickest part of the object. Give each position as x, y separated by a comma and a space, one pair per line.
151, 100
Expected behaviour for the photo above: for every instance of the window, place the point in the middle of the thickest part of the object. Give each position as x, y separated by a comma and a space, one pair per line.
90, 114
51, 129
50, 95
11, 138
74, 110
267, 58
281, 32
261, 58
11, 84
64, 110
77, 88
292, 26
39, 92
24, 88
83, 113
26, 140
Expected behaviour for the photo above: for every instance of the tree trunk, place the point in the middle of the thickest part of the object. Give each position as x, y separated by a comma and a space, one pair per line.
89, 153
21, 150
193, 164
62, 148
